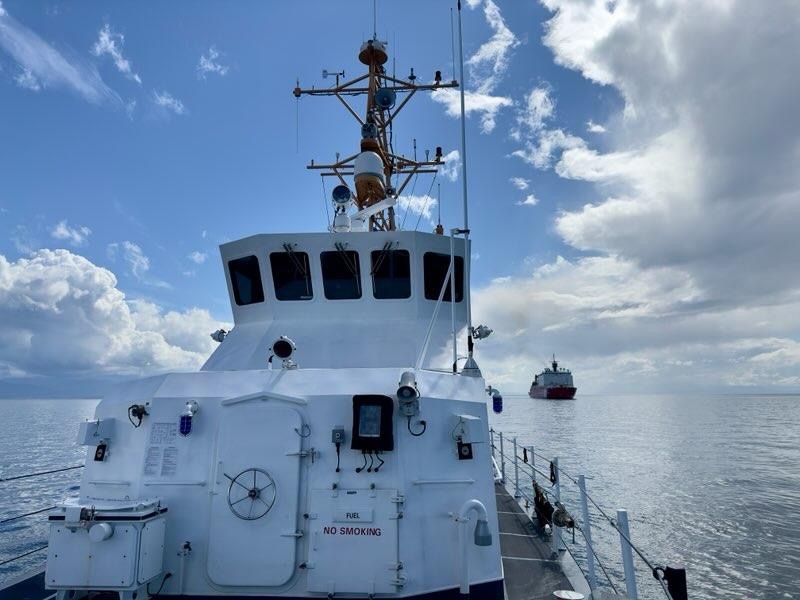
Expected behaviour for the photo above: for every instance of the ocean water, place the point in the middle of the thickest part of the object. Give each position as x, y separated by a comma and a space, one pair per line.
710, 482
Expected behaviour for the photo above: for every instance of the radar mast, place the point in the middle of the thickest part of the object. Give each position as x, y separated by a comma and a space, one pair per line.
380, 175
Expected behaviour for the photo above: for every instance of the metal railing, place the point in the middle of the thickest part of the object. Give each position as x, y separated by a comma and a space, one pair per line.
18, 517
522, 459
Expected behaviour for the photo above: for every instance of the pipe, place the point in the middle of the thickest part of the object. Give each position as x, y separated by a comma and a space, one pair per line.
462, 519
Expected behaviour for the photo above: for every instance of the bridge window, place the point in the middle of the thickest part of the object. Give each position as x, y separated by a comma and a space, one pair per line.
246, 280
436, 266
341, 276
291, 274
391, 274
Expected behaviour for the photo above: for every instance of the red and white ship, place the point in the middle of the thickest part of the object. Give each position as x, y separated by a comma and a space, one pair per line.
554, 383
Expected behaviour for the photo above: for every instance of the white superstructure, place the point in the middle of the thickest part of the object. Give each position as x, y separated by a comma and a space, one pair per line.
329, 447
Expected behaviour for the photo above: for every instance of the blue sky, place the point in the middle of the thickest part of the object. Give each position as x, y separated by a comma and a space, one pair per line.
136, 138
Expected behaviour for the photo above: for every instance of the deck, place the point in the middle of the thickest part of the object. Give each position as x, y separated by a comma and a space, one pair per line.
531, 571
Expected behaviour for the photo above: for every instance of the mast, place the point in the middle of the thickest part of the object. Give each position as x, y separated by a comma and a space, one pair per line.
376, 166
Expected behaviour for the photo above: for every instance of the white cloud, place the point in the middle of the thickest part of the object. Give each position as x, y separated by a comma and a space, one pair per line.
77, 236
168, 102
208, 64
593, 127
111, 43
485, 105
538, 108
138, 263
26, 79
65, 316
490, 61
198, 257
625, 328
520, 183
422, 206
49, 67
697, 210
530, 200
487, 67
451, 166
546, 146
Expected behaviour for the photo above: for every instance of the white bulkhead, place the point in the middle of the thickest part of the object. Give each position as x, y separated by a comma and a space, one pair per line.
306, 476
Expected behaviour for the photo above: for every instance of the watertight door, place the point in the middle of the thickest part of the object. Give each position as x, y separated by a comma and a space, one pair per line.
254, 507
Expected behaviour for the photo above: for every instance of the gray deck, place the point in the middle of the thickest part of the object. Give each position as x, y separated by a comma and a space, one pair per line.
531, 571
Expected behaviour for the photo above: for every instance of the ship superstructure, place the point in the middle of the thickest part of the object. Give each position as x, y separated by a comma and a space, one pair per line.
554, 383
319, 452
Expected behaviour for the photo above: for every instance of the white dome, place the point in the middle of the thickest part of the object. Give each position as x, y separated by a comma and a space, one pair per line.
369, 164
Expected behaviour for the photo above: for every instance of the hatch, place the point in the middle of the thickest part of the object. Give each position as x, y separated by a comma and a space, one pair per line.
354, 547
252, 540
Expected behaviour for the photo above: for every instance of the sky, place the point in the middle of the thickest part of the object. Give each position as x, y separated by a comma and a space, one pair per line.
633, 179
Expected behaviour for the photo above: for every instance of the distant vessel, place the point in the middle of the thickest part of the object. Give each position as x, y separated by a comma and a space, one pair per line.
554, 383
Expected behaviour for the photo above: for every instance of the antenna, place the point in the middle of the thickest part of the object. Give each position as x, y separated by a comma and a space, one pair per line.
374, 19
470, 367
297, 122
452, 45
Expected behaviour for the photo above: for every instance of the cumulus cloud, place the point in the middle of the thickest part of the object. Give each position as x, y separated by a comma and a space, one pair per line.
530, 200
43, 66
209, 64
487, 67
593, 127
520, 183
198, 257
168, 102
422, 206
111, 43
451, 166
697, 209
624, 328
65, 316
486, 106
539, 106
77, 236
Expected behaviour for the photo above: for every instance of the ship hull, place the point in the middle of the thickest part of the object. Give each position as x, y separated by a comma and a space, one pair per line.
553, 393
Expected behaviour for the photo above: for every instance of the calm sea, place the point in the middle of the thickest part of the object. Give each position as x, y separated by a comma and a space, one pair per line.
710, 482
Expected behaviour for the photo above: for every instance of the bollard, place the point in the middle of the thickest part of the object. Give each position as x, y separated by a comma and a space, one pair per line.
557, 543
627, 554
587, 533
502, 460
516, 471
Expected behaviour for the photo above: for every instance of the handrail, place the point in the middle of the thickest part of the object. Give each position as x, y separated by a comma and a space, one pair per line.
40, 473
532, 469
23, 555
28, 514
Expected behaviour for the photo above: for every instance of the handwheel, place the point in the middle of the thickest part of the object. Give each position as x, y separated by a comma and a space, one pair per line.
251, 494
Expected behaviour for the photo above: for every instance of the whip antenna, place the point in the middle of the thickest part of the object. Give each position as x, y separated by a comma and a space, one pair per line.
470, 367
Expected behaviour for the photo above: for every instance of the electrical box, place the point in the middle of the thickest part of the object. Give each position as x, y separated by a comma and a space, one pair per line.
337, 435
107, 546
467, 429
372, 423
91, 433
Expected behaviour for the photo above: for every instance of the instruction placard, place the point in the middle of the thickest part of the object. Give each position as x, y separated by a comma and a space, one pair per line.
161, 455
